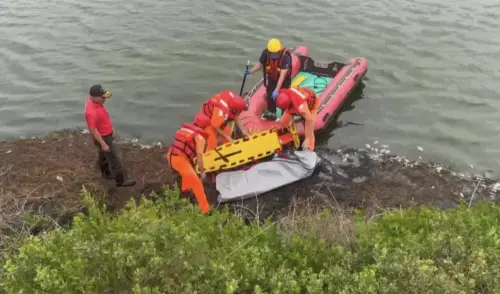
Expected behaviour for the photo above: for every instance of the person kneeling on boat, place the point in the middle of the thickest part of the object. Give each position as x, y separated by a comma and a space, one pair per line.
276, 61
189, 142
221, 108
301, 101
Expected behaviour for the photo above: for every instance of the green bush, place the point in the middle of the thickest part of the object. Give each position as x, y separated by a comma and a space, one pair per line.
169, 247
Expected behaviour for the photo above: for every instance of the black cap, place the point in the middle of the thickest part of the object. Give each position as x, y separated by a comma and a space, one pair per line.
99, 91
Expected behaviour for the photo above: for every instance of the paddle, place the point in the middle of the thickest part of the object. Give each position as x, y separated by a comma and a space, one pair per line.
244, 78
241, 92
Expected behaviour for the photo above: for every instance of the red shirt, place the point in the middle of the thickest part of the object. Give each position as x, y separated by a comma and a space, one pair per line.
97, 117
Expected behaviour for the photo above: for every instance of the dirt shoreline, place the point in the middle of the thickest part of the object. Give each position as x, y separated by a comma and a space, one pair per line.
45, 176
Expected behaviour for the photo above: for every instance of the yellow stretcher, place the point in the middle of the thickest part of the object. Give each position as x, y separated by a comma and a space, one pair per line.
248, 149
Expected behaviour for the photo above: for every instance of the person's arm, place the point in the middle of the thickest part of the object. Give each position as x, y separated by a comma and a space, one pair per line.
218, 118
92, 124
237, 121
260, 64
221, 133
285, 67
200, 149
284, 120
255, 68
309, 122
98, 138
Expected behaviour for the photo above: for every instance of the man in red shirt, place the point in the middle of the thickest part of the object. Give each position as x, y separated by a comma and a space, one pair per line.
99, 124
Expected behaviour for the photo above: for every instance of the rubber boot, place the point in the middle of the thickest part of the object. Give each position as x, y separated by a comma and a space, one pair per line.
267, 115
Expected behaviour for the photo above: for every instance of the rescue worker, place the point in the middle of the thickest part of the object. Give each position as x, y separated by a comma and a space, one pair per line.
302, 101
101, 128
189, 143
276, 62
221, 108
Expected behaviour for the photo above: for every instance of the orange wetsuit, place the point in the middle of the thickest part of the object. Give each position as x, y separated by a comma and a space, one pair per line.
189, 143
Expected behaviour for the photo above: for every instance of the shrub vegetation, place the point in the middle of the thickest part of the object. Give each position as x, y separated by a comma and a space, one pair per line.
167, 246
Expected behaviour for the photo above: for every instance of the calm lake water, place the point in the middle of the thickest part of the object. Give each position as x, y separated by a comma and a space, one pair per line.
433, 68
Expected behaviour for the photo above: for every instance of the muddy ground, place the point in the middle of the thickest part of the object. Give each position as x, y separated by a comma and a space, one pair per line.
46, 175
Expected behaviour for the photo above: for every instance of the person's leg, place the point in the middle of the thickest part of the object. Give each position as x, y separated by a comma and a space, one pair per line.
227, 130
111, 156
189, 180
270, 112
117, 169
271, 103
102, 160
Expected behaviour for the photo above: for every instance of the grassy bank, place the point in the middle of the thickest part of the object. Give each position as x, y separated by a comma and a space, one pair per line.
45, 175
316, 243
166, 246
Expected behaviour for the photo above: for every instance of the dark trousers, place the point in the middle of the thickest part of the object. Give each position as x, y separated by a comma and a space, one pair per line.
271, 86
108, 162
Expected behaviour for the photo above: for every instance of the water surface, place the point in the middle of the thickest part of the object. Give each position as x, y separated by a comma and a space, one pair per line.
433, 67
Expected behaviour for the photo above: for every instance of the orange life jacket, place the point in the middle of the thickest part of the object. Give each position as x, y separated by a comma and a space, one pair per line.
184, 140
273, 66
222, 101
301, 94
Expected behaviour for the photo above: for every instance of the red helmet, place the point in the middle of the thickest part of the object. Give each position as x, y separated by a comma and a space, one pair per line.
238, 104
201, 120
283, 101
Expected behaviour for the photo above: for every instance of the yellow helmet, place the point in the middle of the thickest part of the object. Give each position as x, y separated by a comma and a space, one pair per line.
274, 45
